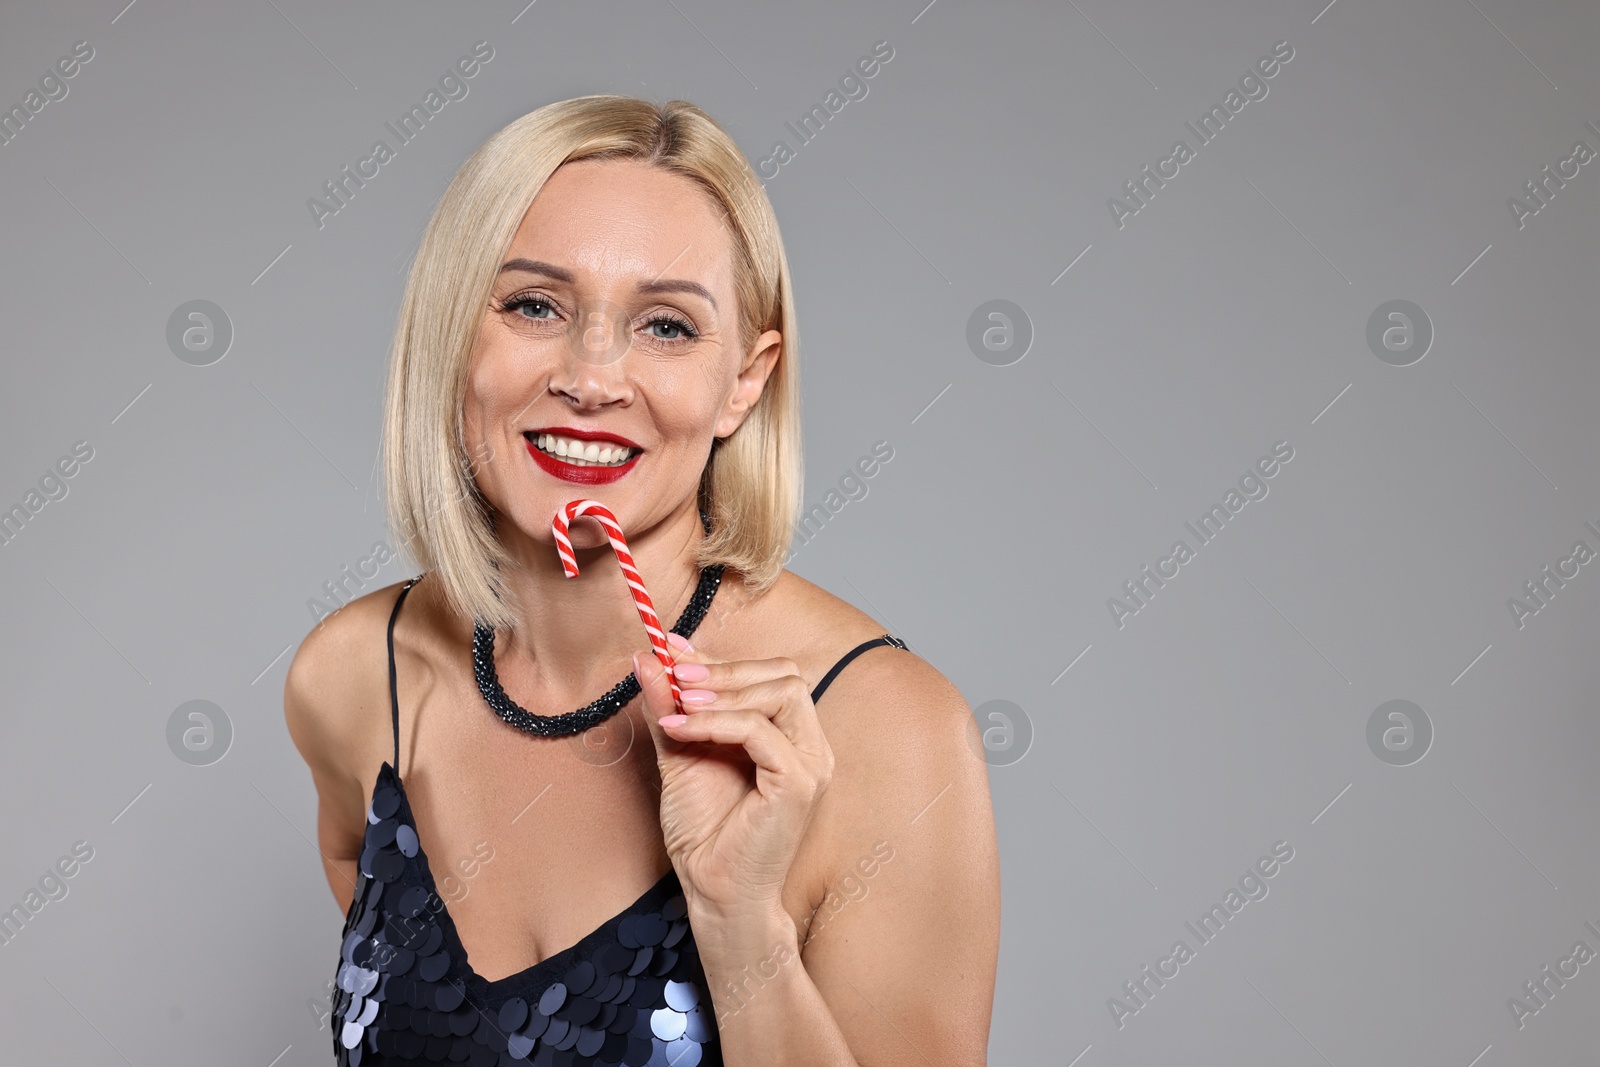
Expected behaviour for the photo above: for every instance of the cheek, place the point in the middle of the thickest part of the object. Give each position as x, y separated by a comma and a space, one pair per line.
491, 402
689, 398
495, 384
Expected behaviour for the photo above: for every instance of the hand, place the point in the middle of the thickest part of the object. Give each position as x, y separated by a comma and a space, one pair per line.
740, 775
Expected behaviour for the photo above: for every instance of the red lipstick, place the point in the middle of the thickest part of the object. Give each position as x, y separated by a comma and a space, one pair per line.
572, 472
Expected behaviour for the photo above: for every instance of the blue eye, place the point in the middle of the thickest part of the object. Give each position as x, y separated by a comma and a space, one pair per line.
685, 328
516, 303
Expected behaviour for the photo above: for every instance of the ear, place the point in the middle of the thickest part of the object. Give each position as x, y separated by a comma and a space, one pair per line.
758, 364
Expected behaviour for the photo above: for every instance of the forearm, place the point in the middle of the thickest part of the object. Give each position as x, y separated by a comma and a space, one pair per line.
768, 1010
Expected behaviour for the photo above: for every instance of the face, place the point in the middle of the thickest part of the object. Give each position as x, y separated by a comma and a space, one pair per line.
608, 359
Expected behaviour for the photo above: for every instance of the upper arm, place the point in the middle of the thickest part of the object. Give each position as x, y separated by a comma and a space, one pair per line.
328, 708
904, 945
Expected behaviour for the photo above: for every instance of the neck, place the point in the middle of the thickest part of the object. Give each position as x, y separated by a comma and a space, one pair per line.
577, 633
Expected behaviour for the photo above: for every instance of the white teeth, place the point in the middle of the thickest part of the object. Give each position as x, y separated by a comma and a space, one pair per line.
583, 453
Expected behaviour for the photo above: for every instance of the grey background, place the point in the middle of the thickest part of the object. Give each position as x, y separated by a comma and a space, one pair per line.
1230, 313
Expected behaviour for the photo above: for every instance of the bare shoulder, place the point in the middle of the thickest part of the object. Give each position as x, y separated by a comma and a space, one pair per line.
899, 729
793, 618
335, 699
819, 627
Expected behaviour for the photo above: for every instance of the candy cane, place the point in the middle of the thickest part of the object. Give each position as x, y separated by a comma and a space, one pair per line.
641, 598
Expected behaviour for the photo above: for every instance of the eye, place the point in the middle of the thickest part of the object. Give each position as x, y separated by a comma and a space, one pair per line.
527, 300
685, 328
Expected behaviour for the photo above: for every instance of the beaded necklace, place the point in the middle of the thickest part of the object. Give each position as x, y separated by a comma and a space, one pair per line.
597, 711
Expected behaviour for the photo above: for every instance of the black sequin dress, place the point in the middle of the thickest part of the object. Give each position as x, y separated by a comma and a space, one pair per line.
631, 992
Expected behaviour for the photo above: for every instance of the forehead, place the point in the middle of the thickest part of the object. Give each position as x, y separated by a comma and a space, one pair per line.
625, 218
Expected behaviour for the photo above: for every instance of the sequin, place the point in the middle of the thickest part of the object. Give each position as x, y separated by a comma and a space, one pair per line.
396, 960
651, 929
683, 1052
696, 1027
568, 1039
552, 999
351, 939
385, 801
580, 978
680, 995
387, 865
513, 1013
413, 902
448, 997
630, 993
538, 1023
518, 1046
666, 1023
363, 981
583, 1010
434, 967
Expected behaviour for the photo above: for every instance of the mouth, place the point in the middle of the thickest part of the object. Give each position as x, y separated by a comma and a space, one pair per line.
583, 456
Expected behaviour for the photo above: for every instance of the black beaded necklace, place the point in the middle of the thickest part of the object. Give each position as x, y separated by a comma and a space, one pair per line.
600, 710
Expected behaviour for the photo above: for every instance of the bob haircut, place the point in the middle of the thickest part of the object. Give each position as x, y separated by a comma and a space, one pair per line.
750, 488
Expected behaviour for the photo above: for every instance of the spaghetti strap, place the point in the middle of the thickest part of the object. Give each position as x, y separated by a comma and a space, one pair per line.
844, 661
394, 688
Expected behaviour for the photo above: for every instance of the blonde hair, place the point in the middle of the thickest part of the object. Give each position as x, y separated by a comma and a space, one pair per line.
751, 485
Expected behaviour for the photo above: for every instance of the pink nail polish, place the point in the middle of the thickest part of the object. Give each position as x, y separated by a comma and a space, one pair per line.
692, 672
673, 720
680, 642
698, 696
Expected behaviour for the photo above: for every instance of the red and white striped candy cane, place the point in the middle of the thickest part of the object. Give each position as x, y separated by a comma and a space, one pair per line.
641, 598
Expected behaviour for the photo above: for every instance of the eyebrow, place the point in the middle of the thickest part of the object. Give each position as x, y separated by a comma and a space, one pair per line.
561, 274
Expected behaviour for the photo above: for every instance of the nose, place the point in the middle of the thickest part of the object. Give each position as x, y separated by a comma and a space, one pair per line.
591, 374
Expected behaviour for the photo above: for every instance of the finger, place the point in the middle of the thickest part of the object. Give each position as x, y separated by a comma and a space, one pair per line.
679, 644
734, 674
754, 732
784, 700
656, 692
685, 656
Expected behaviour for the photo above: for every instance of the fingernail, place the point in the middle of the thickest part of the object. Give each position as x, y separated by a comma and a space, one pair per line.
680, 642
698, 696
673, 720
692, 672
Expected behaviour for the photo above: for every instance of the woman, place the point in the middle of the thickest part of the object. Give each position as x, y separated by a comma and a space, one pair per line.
600, 308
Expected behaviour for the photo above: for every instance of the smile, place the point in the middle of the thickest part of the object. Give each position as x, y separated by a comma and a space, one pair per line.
582, 453
590, 459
